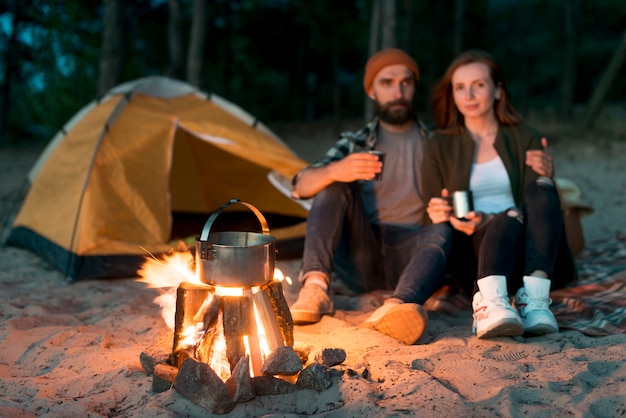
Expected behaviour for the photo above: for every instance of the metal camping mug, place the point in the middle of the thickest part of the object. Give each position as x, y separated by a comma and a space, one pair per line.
381, 158
462, 203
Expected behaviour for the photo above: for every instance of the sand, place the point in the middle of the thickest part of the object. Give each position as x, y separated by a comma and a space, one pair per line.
73, 349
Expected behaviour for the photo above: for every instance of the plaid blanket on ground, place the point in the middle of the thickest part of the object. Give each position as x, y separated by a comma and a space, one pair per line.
596, 304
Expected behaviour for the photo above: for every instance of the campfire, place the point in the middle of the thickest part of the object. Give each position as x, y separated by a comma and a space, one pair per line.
219, 325
226, 307
229, 303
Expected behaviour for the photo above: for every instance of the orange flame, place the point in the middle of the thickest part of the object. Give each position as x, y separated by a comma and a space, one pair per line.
166, 274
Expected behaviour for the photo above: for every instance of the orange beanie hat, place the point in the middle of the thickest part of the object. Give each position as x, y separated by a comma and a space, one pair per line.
381, 59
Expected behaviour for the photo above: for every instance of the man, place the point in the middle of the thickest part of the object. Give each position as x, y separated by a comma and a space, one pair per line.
368, 232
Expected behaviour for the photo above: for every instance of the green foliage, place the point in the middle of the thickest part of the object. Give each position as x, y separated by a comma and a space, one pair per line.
55, 74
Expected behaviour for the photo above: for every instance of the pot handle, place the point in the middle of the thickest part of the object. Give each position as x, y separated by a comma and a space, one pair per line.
209, 223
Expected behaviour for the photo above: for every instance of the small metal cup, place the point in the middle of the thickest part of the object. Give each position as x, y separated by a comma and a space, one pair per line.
381, 158
462, 203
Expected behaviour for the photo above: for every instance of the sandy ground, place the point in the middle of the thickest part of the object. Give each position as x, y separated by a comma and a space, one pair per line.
73, 349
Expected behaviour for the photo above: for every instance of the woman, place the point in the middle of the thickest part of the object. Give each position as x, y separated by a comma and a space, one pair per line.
516, 226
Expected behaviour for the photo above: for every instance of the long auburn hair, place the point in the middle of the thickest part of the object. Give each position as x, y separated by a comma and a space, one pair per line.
447, 117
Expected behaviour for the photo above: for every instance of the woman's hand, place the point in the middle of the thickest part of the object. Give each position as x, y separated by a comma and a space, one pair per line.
439, 208
472, 223
540, 161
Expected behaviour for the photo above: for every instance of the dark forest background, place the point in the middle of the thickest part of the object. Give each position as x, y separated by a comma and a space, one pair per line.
296, 61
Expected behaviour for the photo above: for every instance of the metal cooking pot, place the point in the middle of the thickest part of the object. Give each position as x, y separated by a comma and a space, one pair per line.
235, 259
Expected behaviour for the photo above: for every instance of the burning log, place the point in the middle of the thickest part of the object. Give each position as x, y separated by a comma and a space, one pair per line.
207, 349
268, 320
236, 312
190, 299
274, 291
256, 358
208, 312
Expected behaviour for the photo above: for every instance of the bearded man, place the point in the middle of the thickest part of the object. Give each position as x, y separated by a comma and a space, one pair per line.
364, 229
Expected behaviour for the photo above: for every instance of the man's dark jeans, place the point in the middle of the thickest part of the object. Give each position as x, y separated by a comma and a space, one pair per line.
366, 256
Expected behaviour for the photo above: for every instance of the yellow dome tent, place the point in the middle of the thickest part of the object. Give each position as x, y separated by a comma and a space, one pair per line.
104, 191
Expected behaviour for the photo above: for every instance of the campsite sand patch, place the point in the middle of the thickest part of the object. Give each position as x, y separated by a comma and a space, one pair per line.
73, 349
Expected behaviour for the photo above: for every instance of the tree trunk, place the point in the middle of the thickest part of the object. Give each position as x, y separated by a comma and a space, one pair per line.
384, 23
457, 40
176, 67
407, 18
374, 27
368, 109
595, 103
568, 78
229, 51
195, 56
439, 58
112, 46
389, 38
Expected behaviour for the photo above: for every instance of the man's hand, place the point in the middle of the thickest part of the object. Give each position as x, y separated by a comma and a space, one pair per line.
356, 166
439, 208
540, 161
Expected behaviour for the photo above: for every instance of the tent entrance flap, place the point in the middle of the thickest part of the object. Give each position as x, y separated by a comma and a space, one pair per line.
205, 175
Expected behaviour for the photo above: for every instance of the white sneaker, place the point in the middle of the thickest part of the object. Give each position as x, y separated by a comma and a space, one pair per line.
493, 314
532, 302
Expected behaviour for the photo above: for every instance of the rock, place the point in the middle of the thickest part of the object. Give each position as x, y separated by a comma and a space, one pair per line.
331, 356
199, 383
282, 361
315, 376
239, 383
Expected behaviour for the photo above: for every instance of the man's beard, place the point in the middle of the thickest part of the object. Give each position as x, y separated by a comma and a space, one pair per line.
395, 116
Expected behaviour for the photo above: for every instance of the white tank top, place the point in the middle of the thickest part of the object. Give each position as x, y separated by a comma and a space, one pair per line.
490, 186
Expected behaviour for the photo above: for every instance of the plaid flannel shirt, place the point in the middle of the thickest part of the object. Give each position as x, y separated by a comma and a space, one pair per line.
354, 141
350, 142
